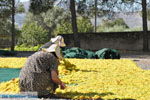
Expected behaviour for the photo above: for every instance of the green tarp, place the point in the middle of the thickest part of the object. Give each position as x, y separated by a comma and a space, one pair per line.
7, 74
78, 53
105, 53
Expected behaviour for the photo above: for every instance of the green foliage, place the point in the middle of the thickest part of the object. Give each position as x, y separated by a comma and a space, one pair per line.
117, 28
24, 47
39, 6
5, 16
64, 28
106, 7
84, 25
32, 34
119, 22
134, 29
117, 25
5, 8
148, 14
111, 29
20, 8
5, 13
49, 20
5, 26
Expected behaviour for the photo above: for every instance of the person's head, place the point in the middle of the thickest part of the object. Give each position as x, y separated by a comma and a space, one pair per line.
55, 47
59, 40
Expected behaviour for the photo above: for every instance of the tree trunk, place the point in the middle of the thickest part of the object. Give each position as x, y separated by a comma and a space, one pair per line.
95, 16
145, 28
73, 15
74, 23
13, 26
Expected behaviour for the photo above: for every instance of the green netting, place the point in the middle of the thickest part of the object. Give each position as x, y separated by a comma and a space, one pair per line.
7, 74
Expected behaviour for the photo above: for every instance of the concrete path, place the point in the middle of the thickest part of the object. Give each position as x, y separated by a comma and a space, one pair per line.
141, 59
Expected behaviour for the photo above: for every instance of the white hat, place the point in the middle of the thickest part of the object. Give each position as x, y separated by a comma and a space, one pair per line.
58, 40
54, 48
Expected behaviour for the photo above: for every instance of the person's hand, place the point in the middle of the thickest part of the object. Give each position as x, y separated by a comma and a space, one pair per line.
62, 85
61, 59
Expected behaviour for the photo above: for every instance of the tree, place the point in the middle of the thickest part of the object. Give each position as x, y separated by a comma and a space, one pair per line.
74, 23
39, 6
106, 7
13, 26
49, 20
148, 13
20, 8
13, 34
7, 10
117, 25
32, 35
145, 28
95, 16
84, 25
73, 16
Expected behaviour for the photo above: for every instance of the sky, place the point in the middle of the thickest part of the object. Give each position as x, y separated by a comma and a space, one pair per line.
23, 0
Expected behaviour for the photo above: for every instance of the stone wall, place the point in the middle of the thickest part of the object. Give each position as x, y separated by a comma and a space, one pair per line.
95, 41
116, 40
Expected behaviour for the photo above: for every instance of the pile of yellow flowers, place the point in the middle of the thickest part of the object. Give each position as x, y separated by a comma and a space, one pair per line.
98, 78
12, 62
10, 87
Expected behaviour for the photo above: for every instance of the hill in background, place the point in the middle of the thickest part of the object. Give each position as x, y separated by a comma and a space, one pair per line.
133, 20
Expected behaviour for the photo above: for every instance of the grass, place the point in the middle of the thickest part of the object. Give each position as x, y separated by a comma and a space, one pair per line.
24, 48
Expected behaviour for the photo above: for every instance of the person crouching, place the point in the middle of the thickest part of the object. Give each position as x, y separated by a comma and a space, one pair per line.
40, 72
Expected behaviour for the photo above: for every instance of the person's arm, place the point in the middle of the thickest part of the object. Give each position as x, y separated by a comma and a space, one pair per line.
56, 79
